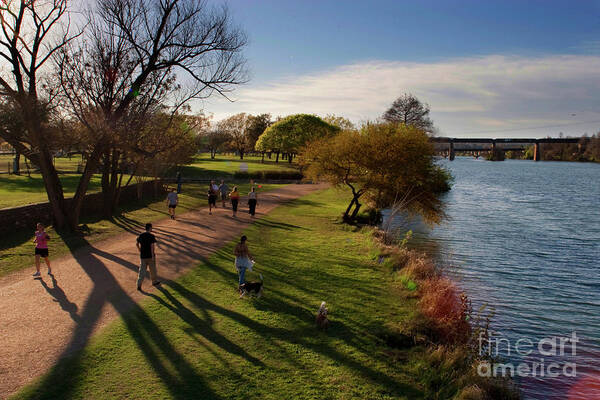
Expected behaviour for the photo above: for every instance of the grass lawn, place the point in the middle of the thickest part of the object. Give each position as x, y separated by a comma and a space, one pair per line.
16, 251
62, 164
195, 339
20, 190
203, 167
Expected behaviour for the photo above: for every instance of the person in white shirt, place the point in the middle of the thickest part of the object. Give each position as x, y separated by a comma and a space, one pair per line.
172, 201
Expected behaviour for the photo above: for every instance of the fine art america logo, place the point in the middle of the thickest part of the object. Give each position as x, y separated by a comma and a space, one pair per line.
539, 356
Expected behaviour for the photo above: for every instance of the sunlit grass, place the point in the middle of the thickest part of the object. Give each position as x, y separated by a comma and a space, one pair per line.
226, 165
196, 339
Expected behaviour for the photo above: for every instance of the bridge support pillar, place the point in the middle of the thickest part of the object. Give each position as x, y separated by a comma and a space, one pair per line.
451, 153
536, 152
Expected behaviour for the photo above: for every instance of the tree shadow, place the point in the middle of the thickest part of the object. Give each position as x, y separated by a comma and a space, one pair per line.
180, 378
278, 225
202, 326
304, 336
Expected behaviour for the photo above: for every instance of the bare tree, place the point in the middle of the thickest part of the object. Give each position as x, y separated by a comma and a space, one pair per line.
32, 32
139, 58
409, 110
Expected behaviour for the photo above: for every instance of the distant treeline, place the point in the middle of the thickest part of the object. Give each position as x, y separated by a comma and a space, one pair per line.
588, 149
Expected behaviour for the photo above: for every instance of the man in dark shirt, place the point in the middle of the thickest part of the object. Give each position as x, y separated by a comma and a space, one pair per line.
145, 244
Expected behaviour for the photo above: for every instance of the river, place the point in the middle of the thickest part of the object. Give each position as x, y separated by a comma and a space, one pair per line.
523, 239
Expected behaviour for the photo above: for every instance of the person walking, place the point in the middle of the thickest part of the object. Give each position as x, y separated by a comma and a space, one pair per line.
223, 190
212, 196
41, 249
243, 259
146, 243
252, 201
235, 198
172, 201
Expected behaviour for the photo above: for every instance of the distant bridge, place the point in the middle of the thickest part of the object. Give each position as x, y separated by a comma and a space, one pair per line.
454, 144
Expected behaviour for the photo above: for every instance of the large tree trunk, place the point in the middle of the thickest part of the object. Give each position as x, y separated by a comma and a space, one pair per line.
355, 212
277, 158
43, 159
90, 167
241, 154
54, 188
290, 157
110, 179
346, 216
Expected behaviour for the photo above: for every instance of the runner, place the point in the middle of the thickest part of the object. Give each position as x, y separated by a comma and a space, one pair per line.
146, 243
223, 189
41, 249
172, 201
235, 198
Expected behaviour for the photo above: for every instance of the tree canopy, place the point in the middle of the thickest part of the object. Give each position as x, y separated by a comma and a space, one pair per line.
291, 133
408, 110
132, 63
383, 163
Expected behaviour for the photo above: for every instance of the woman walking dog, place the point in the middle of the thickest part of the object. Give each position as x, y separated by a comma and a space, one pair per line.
243, 259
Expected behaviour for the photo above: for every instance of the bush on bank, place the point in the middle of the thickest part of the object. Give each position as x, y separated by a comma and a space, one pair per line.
444, 322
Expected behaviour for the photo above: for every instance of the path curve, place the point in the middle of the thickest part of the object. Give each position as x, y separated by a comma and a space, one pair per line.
45, 319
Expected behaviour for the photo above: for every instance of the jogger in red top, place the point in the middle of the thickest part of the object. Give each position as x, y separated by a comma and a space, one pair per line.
41, 249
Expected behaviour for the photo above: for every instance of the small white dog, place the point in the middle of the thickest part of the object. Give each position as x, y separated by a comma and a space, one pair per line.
321, 319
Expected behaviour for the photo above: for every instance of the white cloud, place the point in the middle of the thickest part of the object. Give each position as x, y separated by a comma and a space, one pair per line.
468, 96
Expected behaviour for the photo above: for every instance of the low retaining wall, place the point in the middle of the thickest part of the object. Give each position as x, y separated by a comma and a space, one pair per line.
26, 217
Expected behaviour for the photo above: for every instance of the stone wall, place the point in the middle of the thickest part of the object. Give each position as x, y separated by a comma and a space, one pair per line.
26, 217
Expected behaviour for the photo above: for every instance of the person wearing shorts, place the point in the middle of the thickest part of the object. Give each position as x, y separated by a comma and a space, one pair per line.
146, 243
172, 201
41, 249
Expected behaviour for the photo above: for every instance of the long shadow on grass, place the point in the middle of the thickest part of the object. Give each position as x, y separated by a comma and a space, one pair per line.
304, 336
263, 222
180, 378
202, 326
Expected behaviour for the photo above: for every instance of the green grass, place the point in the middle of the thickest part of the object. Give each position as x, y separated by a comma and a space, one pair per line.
194, 339
203, 167
20, 190
62, 164
16, 251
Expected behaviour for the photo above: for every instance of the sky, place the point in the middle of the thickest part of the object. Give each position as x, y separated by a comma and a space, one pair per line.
486, 68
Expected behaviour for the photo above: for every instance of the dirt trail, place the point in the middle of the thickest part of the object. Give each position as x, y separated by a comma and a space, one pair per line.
42, 320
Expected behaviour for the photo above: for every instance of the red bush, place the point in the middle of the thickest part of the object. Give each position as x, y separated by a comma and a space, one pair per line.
447, 309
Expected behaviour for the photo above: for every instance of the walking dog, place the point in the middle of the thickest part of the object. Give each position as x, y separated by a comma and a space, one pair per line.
253, 288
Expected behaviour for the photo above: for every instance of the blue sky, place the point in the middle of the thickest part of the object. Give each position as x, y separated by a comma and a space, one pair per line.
486, 68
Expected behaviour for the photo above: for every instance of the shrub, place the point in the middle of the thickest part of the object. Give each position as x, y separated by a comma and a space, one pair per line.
444, 306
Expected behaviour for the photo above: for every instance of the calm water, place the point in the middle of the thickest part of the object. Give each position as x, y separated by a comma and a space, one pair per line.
524, 238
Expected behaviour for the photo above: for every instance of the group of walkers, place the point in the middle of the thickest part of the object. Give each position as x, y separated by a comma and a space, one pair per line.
216, 192
146, 242
243, 261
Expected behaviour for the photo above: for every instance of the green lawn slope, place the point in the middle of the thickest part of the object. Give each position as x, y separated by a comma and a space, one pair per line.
195, 339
